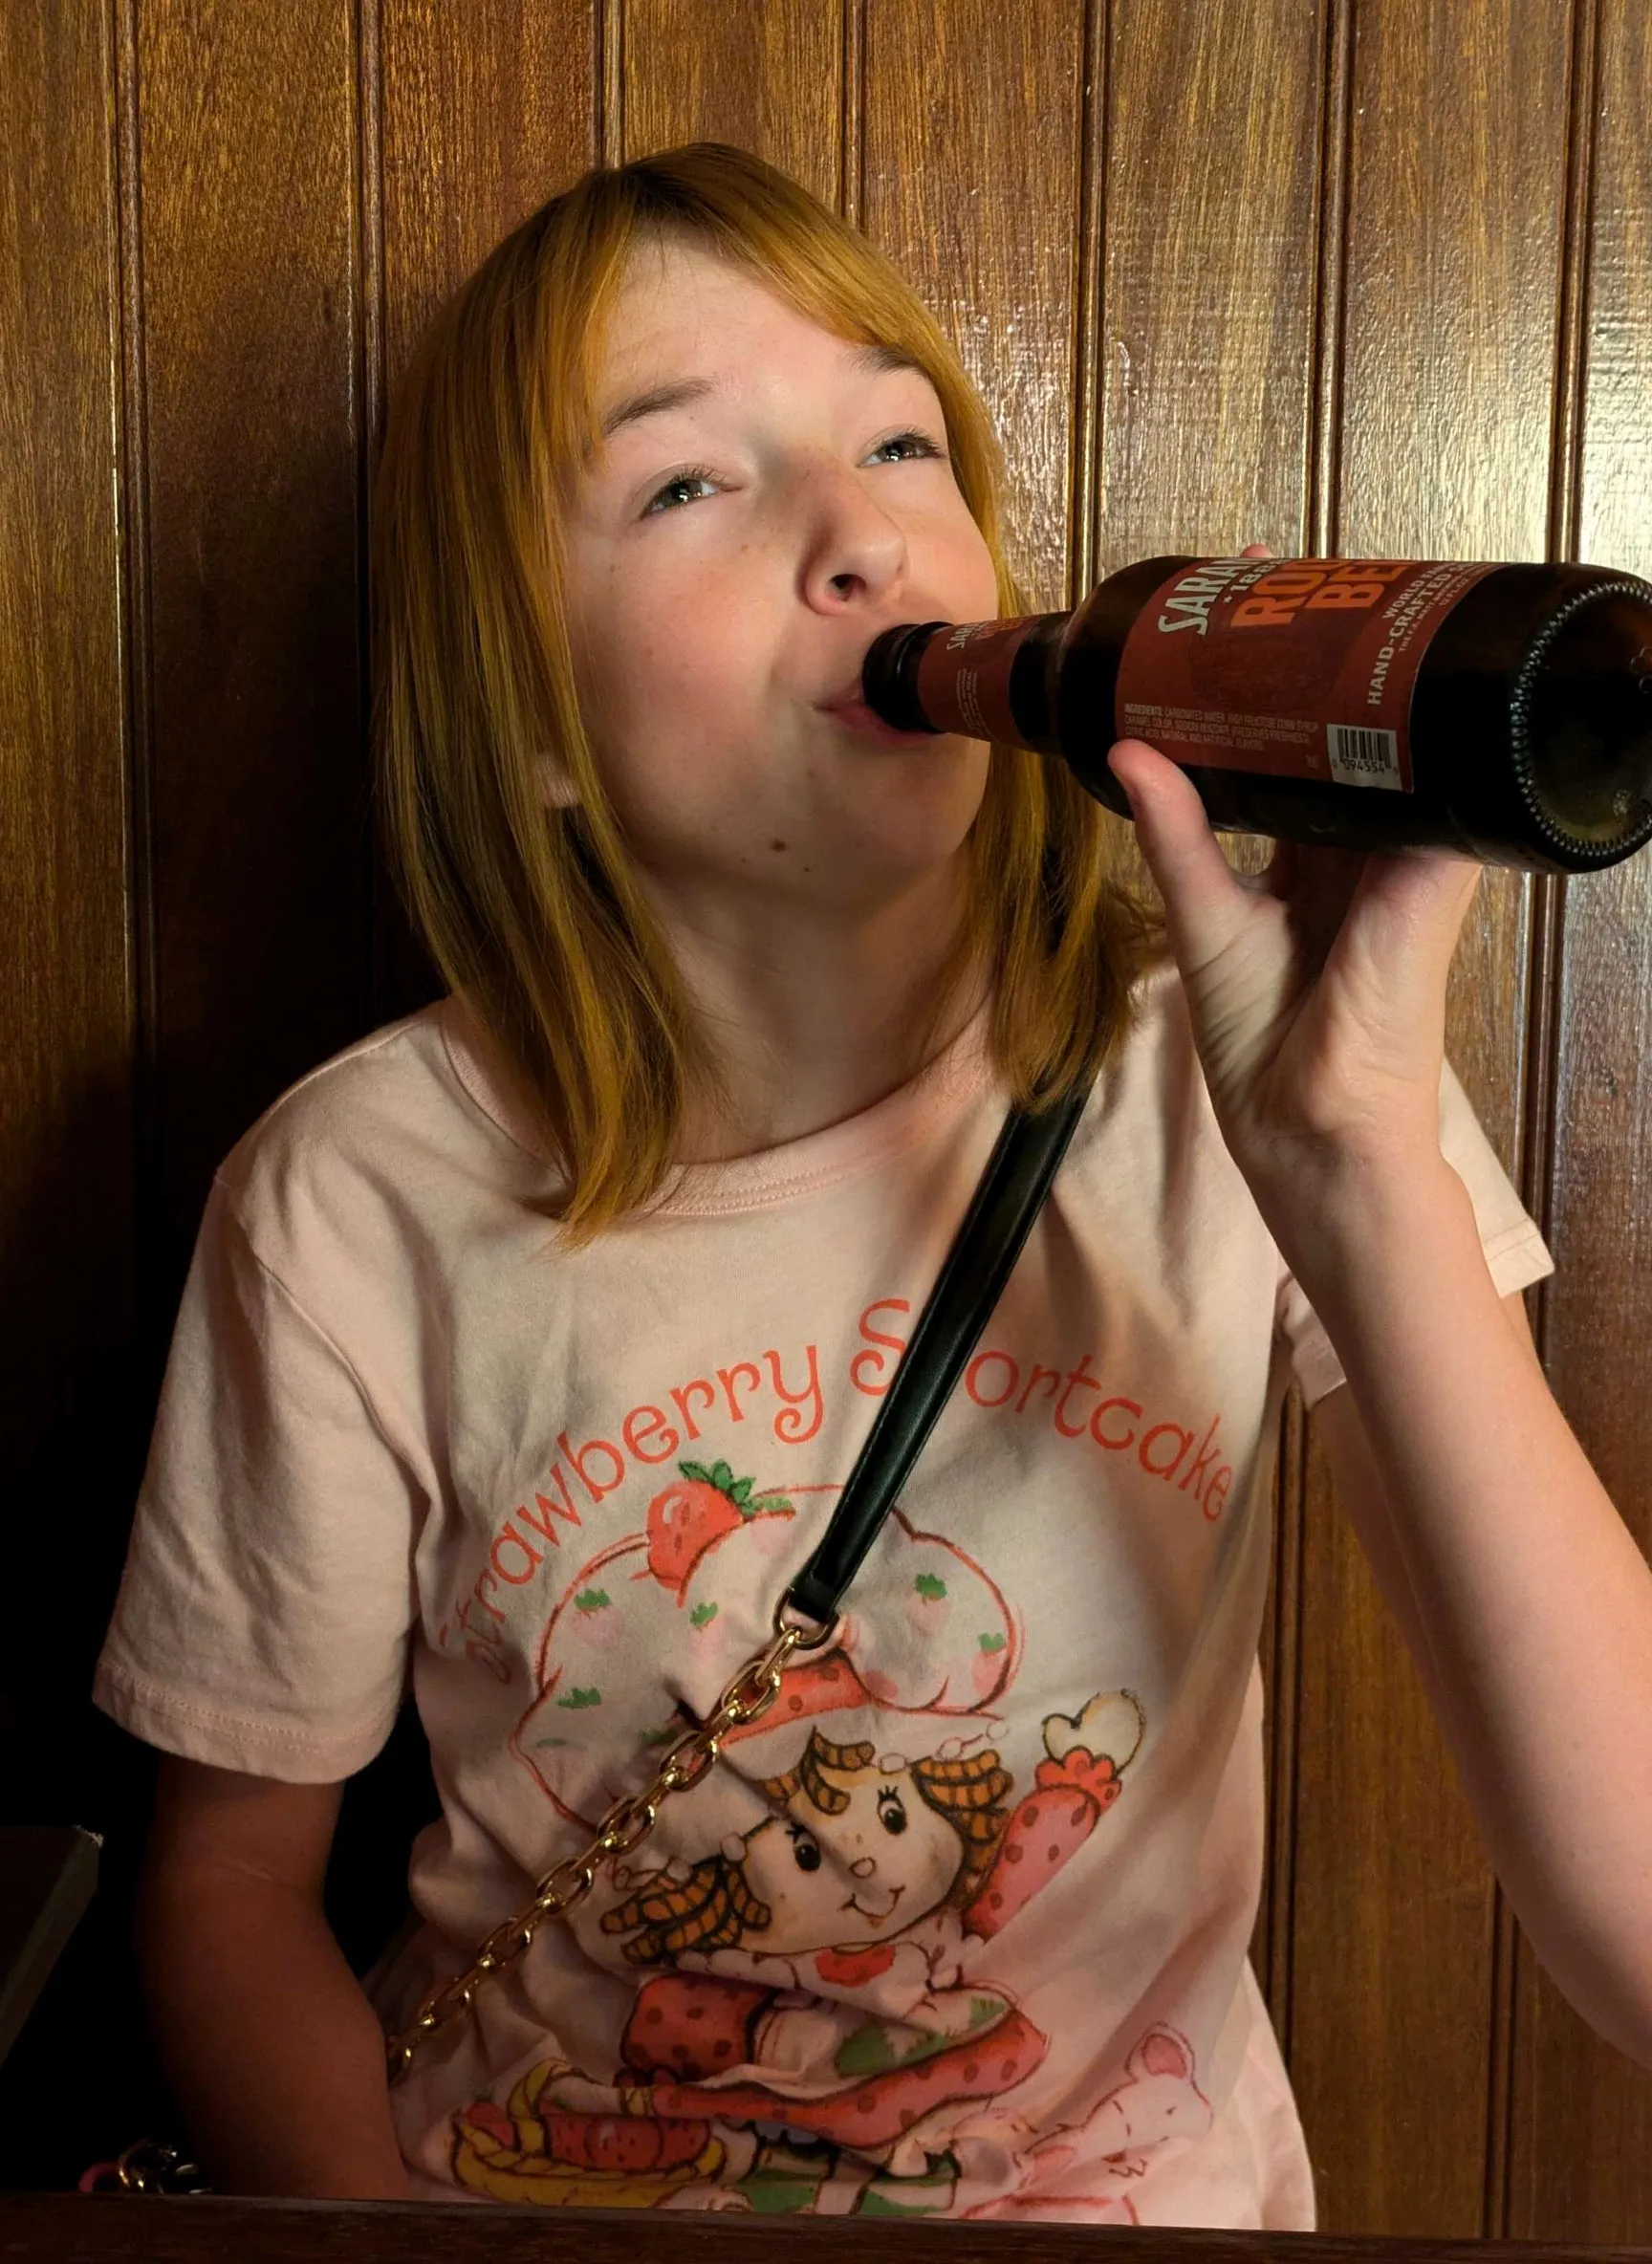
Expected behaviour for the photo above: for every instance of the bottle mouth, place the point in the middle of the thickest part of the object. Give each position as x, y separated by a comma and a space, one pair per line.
1583, 721
888, 676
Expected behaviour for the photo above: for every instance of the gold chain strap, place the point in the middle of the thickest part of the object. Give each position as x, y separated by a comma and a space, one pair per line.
149, 2165
750, 1694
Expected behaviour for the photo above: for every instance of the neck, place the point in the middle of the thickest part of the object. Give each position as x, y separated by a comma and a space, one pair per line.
817, 1016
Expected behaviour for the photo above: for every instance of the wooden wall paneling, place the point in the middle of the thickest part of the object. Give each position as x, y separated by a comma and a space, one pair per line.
472, 116
66, 1037
71, 1417
1456, 181
969, 134
485, 111
1210, 192
252, 314
768, 79
1581, 2158
1208, 147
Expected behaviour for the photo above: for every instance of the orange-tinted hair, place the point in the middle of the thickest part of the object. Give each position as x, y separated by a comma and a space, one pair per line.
534, 915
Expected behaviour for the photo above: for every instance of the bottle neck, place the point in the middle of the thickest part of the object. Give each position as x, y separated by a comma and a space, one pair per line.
986, 680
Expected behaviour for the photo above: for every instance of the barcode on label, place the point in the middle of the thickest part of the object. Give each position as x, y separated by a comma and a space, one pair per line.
1359, 757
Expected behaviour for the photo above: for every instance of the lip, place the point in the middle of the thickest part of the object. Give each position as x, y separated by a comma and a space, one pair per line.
877, 1917
859, 718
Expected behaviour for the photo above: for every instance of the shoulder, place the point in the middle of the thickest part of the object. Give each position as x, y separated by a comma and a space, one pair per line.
377, 1066
388, 1083
371, 1151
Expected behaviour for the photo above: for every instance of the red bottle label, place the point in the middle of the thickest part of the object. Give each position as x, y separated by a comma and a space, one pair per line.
964, 677
1302, 667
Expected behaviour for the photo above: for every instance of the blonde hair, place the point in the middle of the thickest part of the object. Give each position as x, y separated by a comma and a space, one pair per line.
532, 915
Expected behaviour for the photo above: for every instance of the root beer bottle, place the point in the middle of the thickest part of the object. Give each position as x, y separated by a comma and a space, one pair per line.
1502, 711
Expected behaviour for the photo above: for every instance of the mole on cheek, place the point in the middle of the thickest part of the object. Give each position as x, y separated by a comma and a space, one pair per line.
777, 844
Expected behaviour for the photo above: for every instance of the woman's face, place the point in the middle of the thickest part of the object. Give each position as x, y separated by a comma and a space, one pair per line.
731, 559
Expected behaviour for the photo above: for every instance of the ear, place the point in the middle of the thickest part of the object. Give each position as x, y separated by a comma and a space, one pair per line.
556, 790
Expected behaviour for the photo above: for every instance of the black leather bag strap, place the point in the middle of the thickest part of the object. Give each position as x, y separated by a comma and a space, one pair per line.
1011, 1191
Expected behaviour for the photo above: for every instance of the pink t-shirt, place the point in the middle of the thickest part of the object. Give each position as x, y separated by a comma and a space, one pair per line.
961, 1926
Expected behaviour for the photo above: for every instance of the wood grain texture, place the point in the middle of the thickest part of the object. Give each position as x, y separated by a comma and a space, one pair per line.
67, 1224
74, 1403
120, 2228
1206, 143
486, 111
768, 79
478, 115
1211, 159
1580, 2154
1456, 173
971, 133
250, 311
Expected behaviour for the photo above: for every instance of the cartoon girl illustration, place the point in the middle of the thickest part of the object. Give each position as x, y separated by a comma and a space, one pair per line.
803, 2034
855, 1853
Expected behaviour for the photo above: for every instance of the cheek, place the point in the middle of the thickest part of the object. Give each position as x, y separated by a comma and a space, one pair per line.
987, 585
632, 637
775, 1878
670, 711
968, 570
649, 674
930, 1854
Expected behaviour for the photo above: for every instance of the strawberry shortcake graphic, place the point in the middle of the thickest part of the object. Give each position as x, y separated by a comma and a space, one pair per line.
810, 2027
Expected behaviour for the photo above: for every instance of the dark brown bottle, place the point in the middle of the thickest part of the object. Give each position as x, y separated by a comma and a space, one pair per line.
1501, 711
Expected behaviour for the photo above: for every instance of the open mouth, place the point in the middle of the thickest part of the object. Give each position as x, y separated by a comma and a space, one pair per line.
855, 716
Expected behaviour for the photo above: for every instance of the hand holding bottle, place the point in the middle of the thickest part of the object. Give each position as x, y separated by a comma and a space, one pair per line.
1316, 988
1393, 723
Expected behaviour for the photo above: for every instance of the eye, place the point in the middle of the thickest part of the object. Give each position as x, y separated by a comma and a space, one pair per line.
695, 476
920, 443
805, 1849
891, 1811
700, 475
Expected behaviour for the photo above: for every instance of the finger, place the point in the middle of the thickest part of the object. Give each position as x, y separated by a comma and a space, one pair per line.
1392, 951
1205, 903
1412, 906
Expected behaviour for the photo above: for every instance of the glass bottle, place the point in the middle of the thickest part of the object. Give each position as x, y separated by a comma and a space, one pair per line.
1501, 711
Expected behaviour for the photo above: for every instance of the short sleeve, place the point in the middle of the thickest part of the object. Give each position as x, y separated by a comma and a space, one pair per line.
262, 1622
1515, 1253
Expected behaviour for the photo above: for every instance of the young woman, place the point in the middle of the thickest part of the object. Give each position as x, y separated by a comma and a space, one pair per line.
528, 1342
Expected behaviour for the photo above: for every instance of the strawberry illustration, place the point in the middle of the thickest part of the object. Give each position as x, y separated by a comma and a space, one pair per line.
987, 1667
597, 1623
929, 1607
689, 1517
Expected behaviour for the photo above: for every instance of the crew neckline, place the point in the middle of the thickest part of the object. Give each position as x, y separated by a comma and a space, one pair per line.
959, 1073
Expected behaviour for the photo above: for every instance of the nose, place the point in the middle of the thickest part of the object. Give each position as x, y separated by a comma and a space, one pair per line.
854, 549
865, 1868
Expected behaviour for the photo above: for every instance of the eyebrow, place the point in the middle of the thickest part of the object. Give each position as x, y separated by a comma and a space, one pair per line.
873, 362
